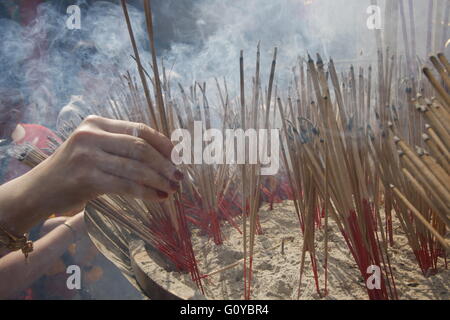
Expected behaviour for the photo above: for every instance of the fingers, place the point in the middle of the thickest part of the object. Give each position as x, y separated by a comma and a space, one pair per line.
139, 150
159, 141
136, 171
51, 224
125, 159
77, 223
116, 185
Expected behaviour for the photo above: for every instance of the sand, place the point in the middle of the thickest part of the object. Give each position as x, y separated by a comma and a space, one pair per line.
276, 275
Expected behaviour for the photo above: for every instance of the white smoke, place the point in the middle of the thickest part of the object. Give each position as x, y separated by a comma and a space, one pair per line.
49, 62
331, 27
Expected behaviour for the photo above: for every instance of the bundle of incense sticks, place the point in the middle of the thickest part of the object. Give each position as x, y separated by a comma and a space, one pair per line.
339, 164
354, 149
398, 153
326, 152
209, 194
422, 185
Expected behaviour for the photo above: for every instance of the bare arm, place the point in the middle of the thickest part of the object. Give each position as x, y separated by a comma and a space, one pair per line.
101, 156
23, 203
17, 274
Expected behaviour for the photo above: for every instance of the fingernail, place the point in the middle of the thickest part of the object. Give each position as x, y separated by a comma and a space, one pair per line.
174, 185
162, 194
179, 175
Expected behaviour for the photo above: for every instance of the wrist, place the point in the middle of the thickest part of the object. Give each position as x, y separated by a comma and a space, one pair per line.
26, 201
19, 208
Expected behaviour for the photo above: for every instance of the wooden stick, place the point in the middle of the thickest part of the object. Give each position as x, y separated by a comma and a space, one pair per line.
420, 218
437, 86
140, 68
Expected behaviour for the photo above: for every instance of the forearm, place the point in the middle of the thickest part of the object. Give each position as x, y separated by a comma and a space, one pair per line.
24, 202
17, 274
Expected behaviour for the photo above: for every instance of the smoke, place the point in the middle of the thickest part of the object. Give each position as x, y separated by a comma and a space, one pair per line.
49, 63
330, 27
200, 39
336, 29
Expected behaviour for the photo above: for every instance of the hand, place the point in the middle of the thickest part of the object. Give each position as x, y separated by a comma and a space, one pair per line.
109, 156
77, 224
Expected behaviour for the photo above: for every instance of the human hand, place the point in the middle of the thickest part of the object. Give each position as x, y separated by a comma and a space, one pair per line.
105, 156
51, 224
76, 223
